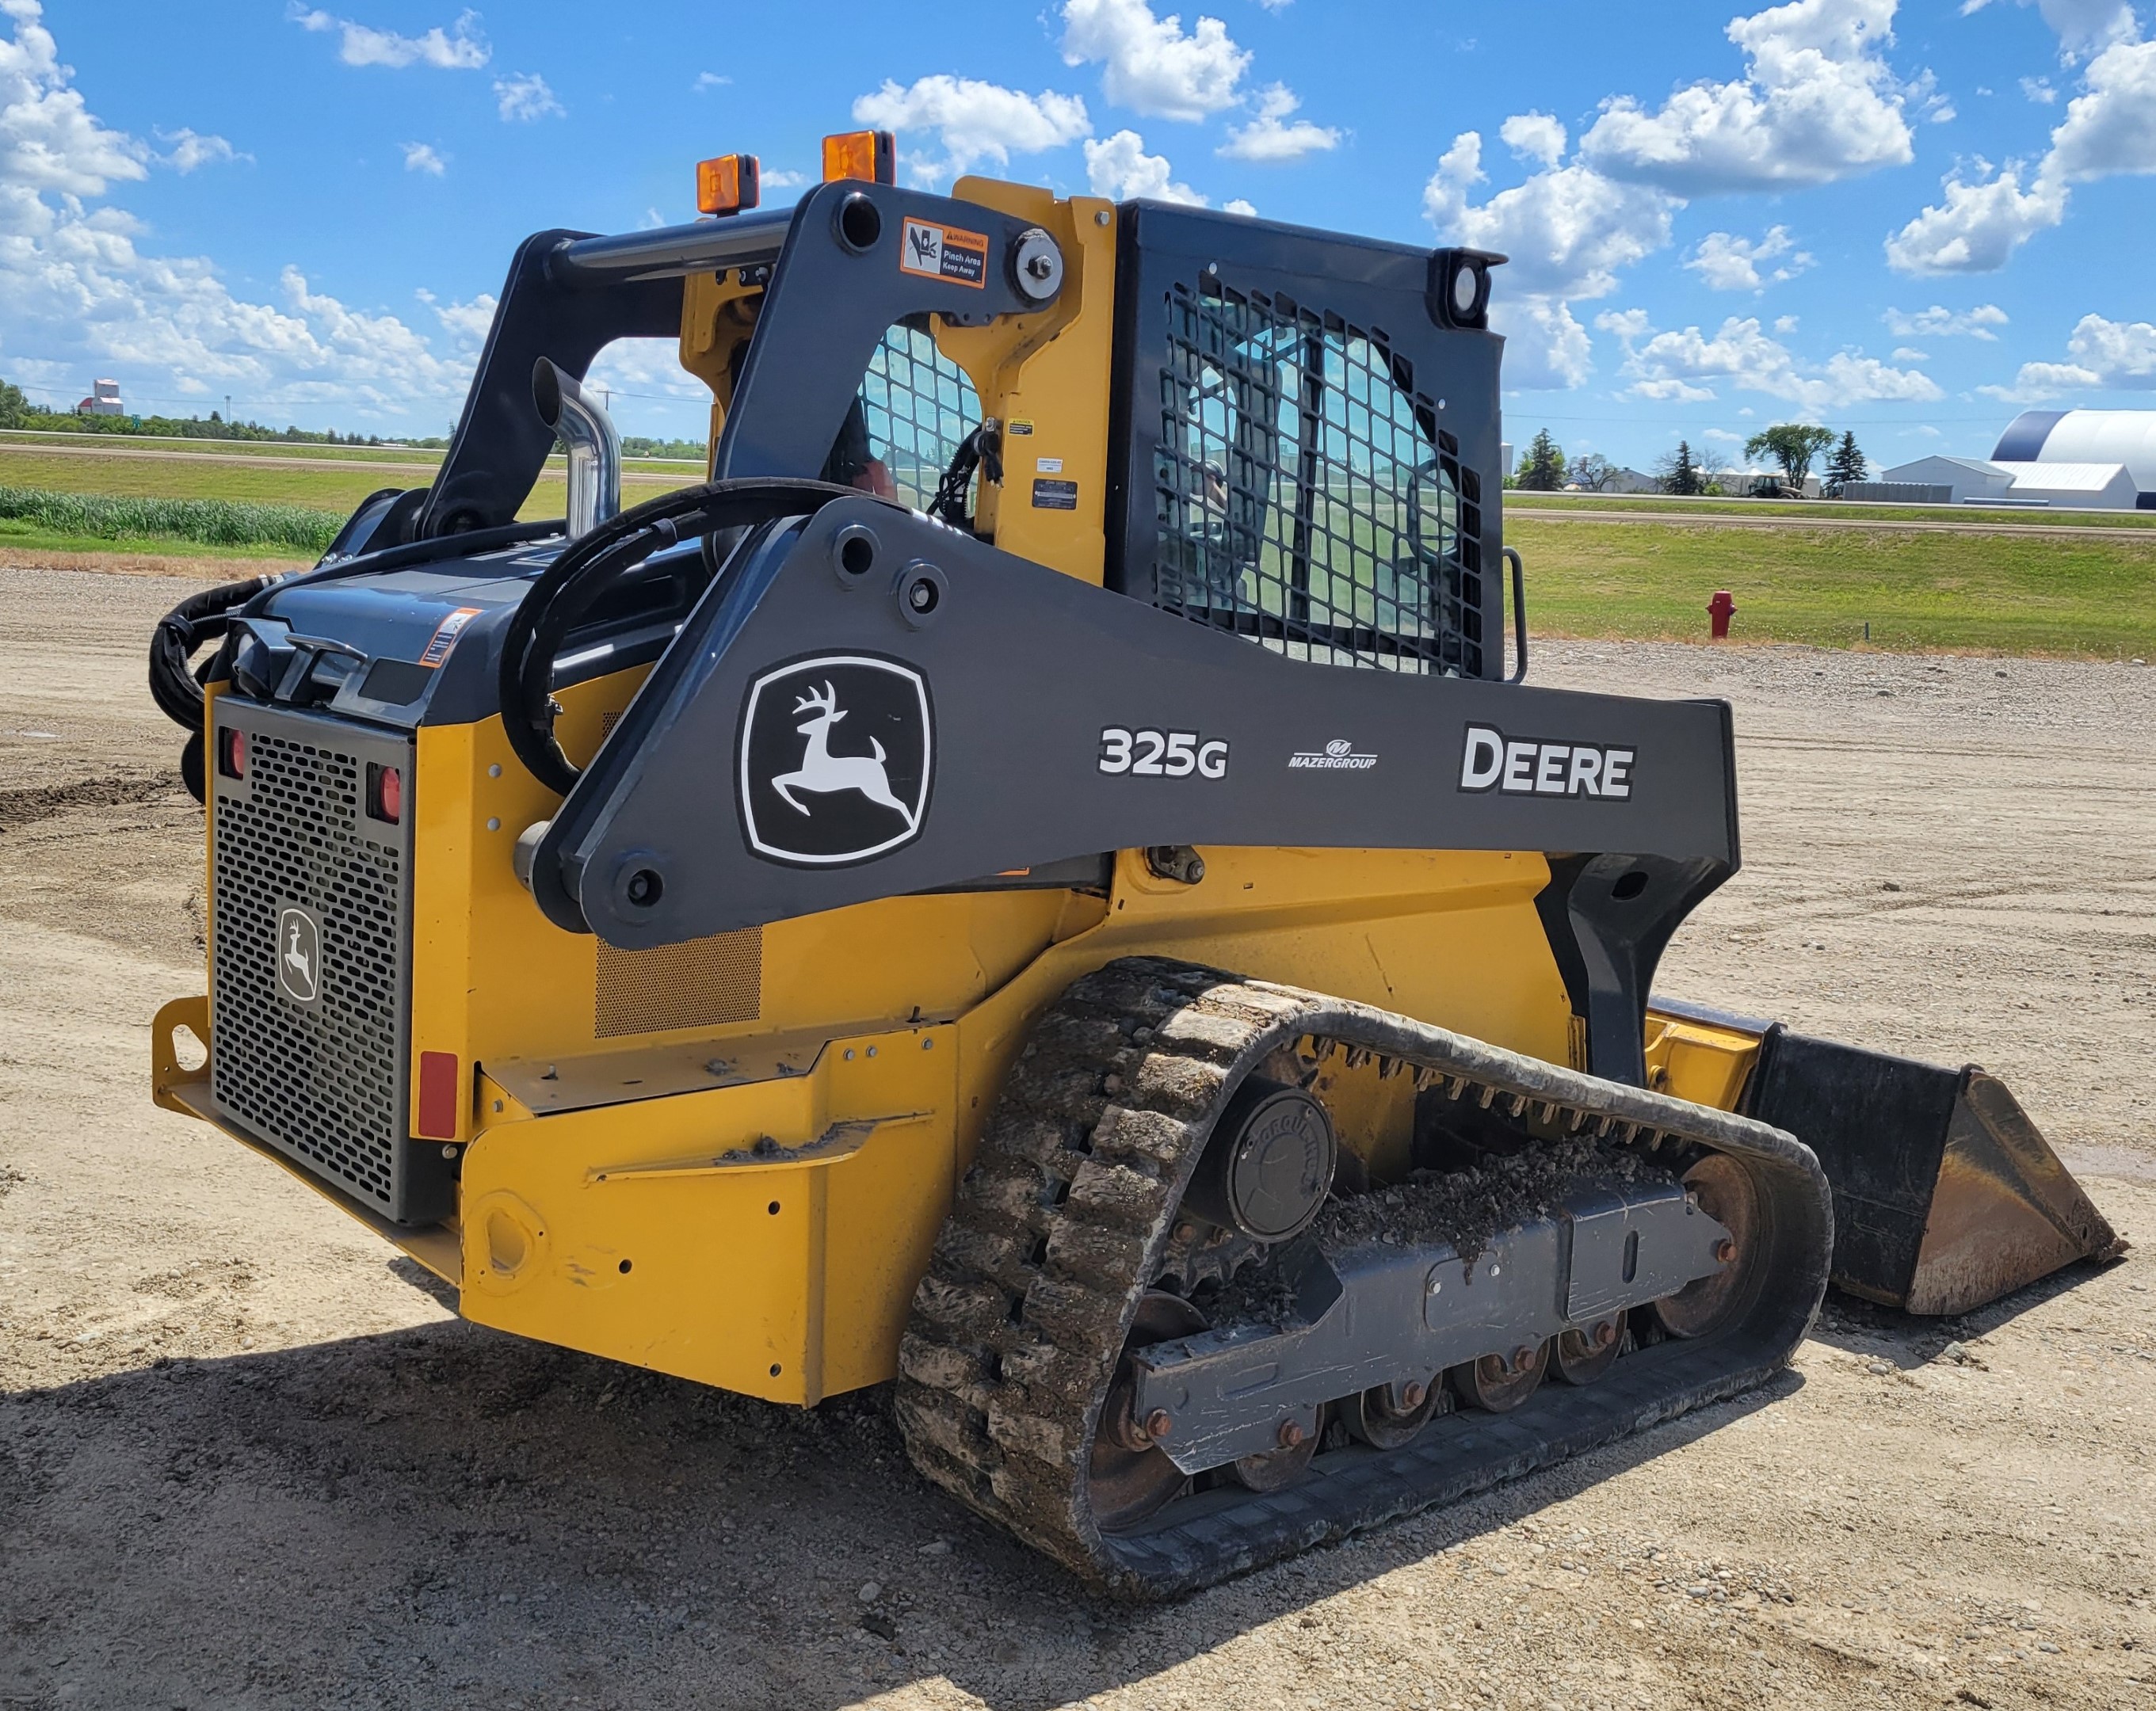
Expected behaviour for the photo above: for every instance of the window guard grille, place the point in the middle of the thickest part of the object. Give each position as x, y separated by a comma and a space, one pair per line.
1305, 496
917, 405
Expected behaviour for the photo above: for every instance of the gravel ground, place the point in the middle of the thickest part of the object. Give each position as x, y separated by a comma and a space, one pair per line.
248, 1459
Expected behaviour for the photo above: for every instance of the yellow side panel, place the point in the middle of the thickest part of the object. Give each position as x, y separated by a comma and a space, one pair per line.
764, 1237
1046, 378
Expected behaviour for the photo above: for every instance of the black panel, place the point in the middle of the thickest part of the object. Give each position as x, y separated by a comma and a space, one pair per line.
1311, 459
1879, 1125
500, 443
1026, 673
1609, 918
831, 302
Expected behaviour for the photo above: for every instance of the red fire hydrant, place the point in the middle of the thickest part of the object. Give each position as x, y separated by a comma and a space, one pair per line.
1720, 610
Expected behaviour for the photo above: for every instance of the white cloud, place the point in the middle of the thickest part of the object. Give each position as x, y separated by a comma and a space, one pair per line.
2039, 89
1235, 204
81, 295
49, 139
974, 121
2112, 126
523, 96
1727, 262
783, 181
1567, 229
1907, 353
706, 80
1534, 136
460, 47
190, 149
2082, 26
1817, 103
1629, 324
421, 157
2117, 355
1267, 139
1121, 168
1686, 366
1939, 322
1151, 65
1545, 348
1978, 225
2109, 128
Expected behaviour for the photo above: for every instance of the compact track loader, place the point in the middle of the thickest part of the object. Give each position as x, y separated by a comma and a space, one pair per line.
1034, 884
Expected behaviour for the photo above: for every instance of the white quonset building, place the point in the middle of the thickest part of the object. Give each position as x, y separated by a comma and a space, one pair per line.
2069, 459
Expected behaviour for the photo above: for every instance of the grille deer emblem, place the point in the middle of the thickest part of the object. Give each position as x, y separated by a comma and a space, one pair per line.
823, 773
299, 955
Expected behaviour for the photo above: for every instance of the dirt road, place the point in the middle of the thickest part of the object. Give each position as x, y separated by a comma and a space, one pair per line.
247, 1459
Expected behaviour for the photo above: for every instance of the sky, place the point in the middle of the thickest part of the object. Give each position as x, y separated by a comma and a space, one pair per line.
1910, 220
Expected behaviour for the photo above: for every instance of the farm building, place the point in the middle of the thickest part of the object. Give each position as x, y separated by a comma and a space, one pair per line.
2068, 459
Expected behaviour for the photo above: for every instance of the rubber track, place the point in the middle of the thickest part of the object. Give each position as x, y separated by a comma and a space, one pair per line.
1060, 1225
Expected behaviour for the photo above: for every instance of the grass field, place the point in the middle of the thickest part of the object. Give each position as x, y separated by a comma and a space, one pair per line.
1989, 592
1814, 510
2003, 589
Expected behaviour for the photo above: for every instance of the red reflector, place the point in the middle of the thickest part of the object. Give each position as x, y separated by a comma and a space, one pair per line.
385, 793
438, 1095
232, 753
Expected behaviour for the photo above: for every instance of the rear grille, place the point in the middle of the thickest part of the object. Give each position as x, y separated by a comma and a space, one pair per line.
323, 1081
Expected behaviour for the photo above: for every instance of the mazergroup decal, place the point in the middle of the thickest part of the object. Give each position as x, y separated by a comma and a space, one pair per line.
1338, 756
835, 757
1535, 766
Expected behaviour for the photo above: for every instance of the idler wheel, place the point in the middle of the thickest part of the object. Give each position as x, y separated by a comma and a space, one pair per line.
1128, 1476
1387, 1416
1723, 1189
1499, 1383
1583, 1355
1268, 1165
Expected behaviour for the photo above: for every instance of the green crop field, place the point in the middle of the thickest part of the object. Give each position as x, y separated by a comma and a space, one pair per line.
1989, 592
1817, 511
2006, 587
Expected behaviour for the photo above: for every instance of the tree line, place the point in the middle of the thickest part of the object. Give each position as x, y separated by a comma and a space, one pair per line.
1795, 446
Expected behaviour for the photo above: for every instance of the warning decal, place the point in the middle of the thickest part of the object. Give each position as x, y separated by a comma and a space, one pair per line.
944, 253
446, 633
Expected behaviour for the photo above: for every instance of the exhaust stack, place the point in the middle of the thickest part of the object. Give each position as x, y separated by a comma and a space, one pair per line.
587, 433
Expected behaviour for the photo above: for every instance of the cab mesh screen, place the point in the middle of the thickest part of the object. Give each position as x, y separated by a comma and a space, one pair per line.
917, 405
1305, 495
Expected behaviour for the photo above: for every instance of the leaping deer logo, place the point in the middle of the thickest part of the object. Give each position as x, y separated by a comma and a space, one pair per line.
823, 773
297, 970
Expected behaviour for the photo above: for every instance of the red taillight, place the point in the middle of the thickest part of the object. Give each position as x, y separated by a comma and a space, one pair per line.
232, 753
438, 1095
385, 793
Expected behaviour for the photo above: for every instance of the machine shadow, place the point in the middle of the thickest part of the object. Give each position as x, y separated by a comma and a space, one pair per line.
558, 1529
1857, 1326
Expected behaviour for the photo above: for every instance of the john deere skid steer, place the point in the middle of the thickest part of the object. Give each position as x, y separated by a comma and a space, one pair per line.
1034, 884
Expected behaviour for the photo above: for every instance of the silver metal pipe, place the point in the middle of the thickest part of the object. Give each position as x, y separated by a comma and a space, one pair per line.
748, 239
588, 434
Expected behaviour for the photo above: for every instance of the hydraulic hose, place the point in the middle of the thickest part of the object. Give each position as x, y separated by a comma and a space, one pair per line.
201, 617
565, 590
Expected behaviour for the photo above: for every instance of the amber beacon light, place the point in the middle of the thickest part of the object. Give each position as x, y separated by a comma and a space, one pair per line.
872, 155
727, 184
